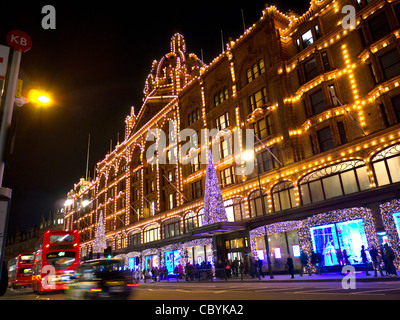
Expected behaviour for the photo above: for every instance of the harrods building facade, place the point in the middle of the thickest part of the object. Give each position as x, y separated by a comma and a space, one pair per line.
324, 100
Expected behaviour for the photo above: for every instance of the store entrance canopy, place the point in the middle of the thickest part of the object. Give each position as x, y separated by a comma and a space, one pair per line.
218, 228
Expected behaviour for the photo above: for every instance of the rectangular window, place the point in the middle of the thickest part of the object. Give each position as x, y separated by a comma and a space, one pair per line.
349, 182
317, 32
222, 122
227, 176
381, 173
390, 63
262, 128
318, 102
332, 93
325, 61
225, 148
311, 69
195, 163
307, 39
396, 106
258, 99
373, 73
342, 133
170, 201
298, 45
197, 189
266, 161
332, 187
379, 26
325, 139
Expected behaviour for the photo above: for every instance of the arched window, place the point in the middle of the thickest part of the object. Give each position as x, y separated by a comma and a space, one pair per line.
283, 196
255, 71
235, 209
151, 233
135, 238
189, 221
111, 176
386, 166
200, 217
171, 228
256, 207
102, 183
118, 242
334, 181
122, 167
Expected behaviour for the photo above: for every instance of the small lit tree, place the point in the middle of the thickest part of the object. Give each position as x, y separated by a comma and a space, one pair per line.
214, 209
100, 237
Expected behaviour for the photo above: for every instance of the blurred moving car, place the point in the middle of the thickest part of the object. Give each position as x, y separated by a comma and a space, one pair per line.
101, 279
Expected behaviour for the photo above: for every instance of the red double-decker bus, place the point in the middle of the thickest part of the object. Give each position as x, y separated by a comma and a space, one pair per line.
56, 259
20, 270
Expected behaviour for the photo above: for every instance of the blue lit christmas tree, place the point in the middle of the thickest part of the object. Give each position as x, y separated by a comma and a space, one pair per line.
214, 209
100, 237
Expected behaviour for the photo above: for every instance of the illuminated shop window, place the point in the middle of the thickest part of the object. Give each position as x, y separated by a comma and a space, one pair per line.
330, 238
396, 218
172, 260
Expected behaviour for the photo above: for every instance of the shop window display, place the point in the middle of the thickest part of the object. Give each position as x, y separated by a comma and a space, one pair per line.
396, 217
151, 262
281, 245
172, 260
329, 239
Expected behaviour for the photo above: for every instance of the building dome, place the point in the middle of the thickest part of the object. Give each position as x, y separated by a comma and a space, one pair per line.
169, 75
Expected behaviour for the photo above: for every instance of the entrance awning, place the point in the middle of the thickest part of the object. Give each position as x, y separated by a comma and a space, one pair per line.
218, 228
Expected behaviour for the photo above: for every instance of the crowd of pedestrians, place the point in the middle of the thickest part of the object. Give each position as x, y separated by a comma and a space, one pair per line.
380, 260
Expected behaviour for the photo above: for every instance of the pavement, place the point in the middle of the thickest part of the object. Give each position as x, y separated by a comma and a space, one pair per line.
329, 277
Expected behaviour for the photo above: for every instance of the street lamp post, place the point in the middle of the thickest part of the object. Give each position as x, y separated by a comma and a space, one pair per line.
248, 155
271, 276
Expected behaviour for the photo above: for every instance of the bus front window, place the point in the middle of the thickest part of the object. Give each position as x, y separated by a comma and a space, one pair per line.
61, 259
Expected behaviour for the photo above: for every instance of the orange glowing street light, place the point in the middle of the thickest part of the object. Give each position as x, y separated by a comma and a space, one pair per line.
39, 97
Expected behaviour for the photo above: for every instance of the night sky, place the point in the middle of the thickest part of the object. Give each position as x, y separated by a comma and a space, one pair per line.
94, 65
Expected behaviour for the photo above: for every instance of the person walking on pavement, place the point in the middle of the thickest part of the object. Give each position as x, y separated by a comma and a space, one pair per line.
289, 262
390, 256
316, 260
304, 264
376, 261
346, 258
339, 256
364, 260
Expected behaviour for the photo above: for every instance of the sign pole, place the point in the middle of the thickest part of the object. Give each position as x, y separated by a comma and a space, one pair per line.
5, 201
8, 108
20, 42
